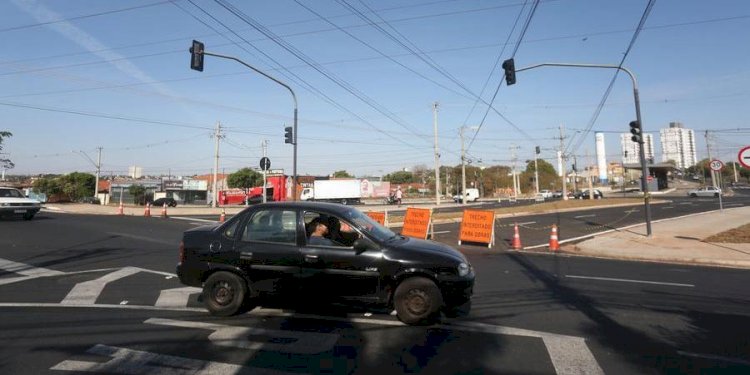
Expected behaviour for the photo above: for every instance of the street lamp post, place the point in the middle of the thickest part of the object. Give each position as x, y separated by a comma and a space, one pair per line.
644, 166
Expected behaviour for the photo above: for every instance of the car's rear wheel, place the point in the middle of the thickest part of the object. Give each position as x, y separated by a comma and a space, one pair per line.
693, 195
28, 216
716, 195
417, 301
224, 293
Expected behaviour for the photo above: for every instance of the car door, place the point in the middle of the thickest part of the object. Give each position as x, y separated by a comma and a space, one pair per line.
340, 272
268, 250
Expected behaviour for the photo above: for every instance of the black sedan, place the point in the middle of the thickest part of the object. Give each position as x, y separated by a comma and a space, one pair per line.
266, 250
585, 194
170, 202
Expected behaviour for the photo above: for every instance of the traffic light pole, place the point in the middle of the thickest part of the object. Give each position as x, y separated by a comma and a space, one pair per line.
644, 166
294, 97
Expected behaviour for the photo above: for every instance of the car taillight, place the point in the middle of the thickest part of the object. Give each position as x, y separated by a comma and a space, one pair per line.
182, 251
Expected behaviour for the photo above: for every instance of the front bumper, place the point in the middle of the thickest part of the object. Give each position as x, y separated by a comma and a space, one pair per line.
456, 290
9, 211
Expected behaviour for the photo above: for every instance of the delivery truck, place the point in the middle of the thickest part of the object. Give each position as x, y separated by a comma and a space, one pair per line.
344, 191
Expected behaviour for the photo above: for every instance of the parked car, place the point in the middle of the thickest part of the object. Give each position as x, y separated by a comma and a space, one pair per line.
13, 203
91, 200
584, 194
708, 191
161, 201
547, 193
557, 194
265, 250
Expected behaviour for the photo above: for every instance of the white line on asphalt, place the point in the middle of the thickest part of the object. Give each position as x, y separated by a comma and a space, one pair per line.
441, 231
527, 223
715, 357
194, 219
252, 338
177, 297
129, 361
686, 203
88, 291
631, 211
105, 306
629, 281
667, 208
582, 216
27, 269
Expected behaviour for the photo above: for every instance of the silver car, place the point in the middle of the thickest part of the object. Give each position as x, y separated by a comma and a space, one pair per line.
708, 191
14, 203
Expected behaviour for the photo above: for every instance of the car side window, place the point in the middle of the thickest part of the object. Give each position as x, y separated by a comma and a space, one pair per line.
337, 233
272, 225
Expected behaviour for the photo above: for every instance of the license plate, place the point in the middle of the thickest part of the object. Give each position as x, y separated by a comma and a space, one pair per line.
19, 211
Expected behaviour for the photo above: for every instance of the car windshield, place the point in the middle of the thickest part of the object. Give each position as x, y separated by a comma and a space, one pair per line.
11, 193
368, 225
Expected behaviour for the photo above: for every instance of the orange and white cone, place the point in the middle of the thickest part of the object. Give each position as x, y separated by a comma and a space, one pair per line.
120, 210
554, 245
223, 216
147, 212
164, 210
516, 239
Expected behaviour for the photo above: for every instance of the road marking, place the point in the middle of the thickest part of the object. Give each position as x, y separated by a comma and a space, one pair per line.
296, 342
527, 223
629, 281
87, 292
106, 306
177, 297
569, 354
715, 357
441, 232
194, 219
27, 269
124, 302
631, 211
733, 204
686, 203
667, 208
129, 361
582, 216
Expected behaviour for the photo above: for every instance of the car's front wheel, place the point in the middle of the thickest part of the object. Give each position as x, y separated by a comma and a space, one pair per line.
693, 195
28, 216
224, 293
417, 301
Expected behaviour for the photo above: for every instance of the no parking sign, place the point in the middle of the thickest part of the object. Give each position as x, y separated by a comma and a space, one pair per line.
744, 157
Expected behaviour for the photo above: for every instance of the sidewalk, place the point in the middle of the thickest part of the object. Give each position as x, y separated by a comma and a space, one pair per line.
674, 241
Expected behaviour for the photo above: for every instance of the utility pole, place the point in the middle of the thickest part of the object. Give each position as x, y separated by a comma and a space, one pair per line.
564, 165
536, 170
575, 173
437, 153
588, 175
218, 137
708, 150
264, 146
514, 159
98, 171
463, 167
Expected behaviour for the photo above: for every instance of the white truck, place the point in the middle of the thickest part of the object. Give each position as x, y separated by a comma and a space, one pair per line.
347, 191
472, 195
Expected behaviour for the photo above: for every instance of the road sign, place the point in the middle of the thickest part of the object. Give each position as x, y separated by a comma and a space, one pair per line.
744, 157
716, 165
265, 163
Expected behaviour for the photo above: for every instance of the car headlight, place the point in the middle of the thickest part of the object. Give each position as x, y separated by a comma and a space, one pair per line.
463, 269
4, 204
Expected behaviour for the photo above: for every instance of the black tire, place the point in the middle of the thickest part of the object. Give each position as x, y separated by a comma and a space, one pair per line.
716, 195
224, 293
693, 195
28, 216
417, 301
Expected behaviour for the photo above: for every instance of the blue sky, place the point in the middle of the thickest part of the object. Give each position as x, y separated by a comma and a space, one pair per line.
77, 75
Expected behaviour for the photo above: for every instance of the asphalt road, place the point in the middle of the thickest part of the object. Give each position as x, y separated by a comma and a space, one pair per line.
81, 293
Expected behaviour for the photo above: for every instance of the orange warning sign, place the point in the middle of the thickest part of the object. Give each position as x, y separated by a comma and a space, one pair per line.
377, 216
478, 226
417, 222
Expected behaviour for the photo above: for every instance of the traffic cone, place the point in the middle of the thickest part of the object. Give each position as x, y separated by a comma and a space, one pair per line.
147, 212
223, 216
553, 244
120, 210
164, 210
516, 239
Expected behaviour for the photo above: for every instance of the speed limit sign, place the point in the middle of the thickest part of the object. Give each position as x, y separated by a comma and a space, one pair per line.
716, 165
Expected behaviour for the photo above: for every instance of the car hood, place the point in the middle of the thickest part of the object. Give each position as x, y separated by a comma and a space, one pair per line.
19, 200
203, 228
420, 250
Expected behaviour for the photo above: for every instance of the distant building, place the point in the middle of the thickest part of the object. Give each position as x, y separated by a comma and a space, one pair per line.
630, 149
678, 144
601, 158
135, 172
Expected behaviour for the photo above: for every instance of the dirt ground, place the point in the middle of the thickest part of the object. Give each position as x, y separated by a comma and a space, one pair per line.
736, 235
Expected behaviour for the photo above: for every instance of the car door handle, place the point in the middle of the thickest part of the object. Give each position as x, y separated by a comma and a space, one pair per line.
311, 258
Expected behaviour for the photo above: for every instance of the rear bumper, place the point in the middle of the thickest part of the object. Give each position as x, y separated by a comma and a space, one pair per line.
190, 275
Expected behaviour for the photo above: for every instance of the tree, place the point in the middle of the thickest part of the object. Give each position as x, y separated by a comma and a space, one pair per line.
5, 163
138, 192
342, 174
245, 178
48, 185
400, 177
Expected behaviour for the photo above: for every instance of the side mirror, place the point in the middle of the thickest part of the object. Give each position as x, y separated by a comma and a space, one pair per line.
363, 244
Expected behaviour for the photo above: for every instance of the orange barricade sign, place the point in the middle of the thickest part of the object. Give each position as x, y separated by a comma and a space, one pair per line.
417, 222
478, 226
380, 217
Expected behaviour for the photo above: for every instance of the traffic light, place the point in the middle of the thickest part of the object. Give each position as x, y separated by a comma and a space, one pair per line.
196, 56
510, 71
635, 129
288, 135
538, 150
